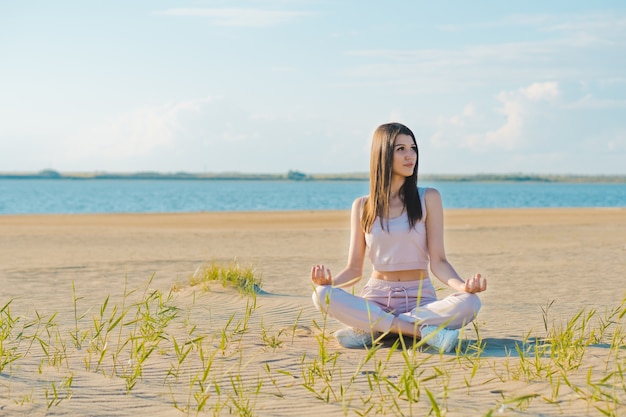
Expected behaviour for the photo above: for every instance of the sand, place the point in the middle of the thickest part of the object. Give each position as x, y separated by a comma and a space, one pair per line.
264, 355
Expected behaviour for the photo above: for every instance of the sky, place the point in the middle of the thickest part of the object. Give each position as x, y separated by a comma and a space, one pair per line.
267, 86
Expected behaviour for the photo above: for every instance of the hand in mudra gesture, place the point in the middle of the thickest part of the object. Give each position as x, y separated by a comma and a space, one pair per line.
320, 275
475, 284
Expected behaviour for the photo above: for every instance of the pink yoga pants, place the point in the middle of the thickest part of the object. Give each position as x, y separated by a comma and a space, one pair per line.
381, 301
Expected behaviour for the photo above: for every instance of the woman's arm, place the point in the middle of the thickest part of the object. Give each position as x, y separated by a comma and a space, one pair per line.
351, 274
439, 264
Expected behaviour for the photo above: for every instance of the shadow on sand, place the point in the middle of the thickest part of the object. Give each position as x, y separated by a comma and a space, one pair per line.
493, 347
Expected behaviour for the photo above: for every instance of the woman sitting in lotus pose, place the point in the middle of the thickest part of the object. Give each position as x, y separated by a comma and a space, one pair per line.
400, 226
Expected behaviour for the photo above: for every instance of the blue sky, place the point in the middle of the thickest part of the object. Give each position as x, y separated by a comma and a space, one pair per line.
267, 86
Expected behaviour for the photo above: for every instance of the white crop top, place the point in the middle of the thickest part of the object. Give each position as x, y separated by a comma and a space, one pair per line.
399, 248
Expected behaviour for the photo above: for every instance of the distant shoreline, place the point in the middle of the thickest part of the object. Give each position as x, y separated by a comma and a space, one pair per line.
299, 176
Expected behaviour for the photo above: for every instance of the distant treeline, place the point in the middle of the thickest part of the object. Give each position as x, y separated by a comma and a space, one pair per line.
300, 176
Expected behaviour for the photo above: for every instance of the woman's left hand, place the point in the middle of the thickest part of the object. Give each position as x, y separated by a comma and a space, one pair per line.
475, 284
320, 275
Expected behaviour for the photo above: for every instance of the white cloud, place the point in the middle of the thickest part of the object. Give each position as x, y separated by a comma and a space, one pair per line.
438, 140
595, 23
507, 135
591, 102
602, 27
577, 50
541, 91
135, 133
245, 17
469, 110
617, 145
450, 128
612, 81
396, 115
215, 134
517, 106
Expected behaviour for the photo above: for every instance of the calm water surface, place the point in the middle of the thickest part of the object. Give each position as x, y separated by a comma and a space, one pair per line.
145, 196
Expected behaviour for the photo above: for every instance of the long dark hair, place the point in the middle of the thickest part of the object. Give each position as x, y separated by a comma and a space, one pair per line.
381, 170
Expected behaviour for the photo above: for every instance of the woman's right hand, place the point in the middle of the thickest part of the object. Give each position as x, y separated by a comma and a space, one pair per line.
320, 275
475, 284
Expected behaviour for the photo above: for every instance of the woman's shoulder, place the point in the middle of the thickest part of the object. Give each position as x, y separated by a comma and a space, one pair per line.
432, 197
427, 190
359, 202
424, 192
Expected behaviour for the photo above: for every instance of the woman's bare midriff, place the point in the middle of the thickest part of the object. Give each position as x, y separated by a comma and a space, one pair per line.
397, 276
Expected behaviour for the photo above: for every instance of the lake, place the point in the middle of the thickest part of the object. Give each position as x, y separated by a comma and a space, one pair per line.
29, 196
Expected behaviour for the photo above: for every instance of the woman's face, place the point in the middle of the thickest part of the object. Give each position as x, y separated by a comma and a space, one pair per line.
404, 155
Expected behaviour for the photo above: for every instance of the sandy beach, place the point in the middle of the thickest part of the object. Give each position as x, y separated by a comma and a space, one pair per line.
65, 280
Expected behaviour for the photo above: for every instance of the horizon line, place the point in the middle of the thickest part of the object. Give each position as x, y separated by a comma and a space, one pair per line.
298, 175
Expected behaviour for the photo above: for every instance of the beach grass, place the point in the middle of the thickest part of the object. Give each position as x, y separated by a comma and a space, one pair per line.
231, 274
152, 338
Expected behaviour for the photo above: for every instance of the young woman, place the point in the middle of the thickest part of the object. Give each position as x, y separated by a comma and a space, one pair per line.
400, 227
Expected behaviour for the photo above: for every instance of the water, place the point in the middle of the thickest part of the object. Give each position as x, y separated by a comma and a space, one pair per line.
145, 196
